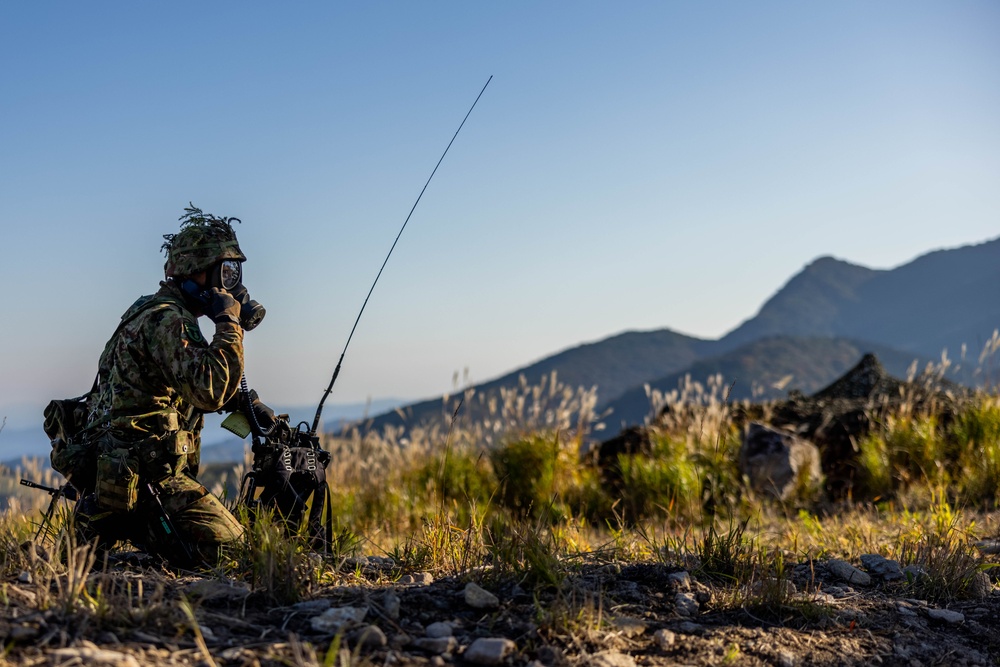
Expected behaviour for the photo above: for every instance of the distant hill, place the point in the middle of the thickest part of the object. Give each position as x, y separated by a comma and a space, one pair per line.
809, 329
615, 364
943, 299
765, 368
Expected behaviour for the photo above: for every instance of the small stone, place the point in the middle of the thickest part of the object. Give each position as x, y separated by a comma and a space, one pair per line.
369, 636
610, 659
786, 659
630, 627
914, 573
980, 586
207, 632
904, 610
689, 628
479, 598
946, 616
24, 577
682, 579
686, 605
439, 629
664, 638
489, 650
337, 618
844, 571
390, 603
419, 578
436, 645
887, 570
107, 637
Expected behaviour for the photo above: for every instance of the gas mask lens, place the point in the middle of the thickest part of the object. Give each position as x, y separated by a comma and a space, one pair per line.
231, 272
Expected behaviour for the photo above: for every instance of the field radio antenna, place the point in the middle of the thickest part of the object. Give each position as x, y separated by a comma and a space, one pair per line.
336, 371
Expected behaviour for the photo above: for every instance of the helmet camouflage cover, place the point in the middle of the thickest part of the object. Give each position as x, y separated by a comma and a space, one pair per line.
204, 239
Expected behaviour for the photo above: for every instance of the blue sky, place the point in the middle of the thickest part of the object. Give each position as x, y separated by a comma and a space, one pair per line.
631, 166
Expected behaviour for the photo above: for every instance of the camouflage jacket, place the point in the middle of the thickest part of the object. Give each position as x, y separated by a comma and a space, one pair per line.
158, 374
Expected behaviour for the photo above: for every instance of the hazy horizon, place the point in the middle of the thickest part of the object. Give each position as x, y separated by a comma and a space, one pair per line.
630, 167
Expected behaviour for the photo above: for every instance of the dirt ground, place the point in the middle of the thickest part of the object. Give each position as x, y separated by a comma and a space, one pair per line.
602, 614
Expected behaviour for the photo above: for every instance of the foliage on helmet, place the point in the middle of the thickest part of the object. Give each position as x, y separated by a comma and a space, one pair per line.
204, 239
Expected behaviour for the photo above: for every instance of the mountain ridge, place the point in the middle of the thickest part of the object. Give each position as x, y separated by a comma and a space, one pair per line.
943, 299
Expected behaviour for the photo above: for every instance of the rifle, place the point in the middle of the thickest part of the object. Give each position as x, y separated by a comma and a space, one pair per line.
67, 491
289, 465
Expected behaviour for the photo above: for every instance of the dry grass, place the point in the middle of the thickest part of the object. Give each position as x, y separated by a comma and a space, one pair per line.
512, 491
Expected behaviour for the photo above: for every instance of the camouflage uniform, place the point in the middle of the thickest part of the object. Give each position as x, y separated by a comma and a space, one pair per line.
157, 377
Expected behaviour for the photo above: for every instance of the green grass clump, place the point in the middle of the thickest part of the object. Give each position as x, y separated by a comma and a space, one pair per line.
976, 433
665, 483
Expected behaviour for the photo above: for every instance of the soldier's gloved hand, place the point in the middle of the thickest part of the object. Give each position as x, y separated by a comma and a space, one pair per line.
264, 414
222, 307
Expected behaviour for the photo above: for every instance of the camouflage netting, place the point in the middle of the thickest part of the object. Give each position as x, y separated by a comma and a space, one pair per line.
204, 239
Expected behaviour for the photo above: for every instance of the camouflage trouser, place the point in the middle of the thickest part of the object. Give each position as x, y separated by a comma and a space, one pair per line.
196, 526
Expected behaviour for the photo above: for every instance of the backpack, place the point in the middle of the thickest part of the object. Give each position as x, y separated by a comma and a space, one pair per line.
74, 424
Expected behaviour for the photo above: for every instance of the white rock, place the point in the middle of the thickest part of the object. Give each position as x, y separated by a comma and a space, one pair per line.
337, 618
786, 659
479, 598
97, 656
420, 578
630, 627
686, 605
489, 650
610, 659
439, 629
664, 638
946, 616
847, 572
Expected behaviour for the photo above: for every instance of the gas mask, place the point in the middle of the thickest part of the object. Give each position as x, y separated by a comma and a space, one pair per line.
228, 275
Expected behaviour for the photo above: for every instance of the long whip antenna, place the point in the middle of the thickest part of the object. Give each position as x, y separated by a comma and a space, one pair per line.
336, 371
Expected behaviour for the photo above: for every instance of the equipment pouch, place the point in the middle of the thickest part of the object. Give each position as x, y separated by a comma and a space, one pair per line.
72, 455
117, 481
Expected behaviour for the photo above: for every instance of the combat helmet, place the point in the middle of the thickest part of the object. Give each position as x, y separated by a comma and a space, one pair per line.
203, 241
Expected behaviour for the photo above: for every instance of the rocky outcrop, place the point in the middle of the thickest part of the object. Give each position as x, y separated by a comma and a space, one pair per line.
839, 416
